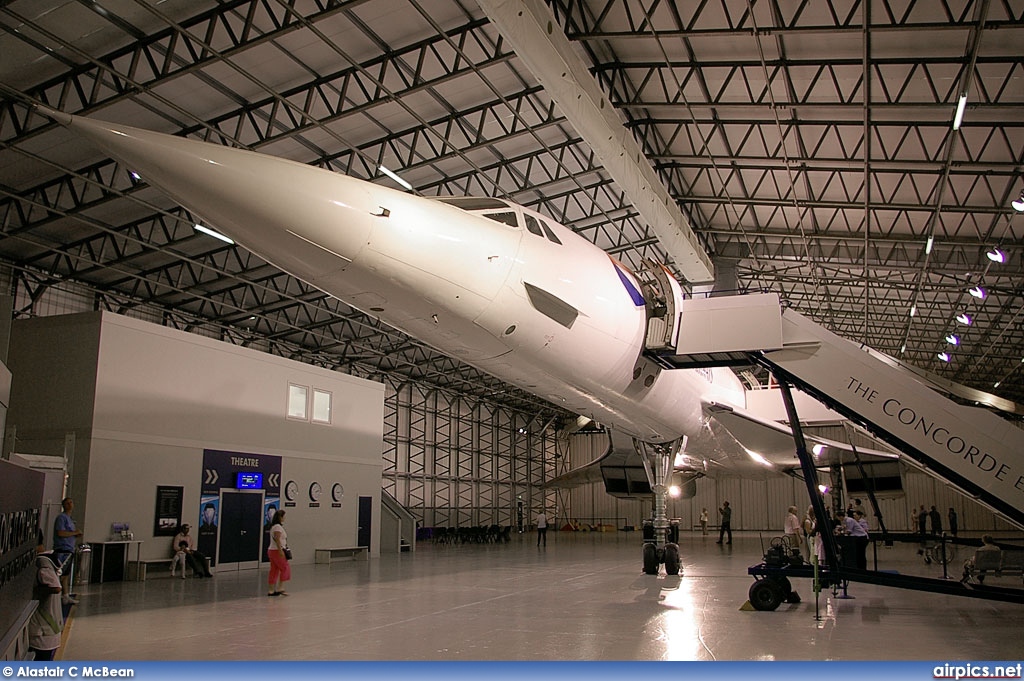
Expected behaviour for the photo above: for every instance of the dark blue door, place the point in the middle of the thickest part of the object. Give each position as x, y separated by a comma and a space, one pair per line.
365, 521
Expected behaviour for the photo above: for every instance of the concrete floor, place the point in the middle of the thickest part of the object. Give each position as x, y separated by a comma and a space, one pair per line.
582, 598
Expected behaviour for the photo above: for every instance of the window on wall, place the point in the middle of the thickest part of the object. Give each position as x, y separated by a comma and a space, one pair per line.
322, 404
298, 401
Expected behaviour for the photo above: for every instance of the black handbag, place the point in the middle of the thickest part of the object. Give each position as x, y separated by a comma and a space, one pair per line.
287, 553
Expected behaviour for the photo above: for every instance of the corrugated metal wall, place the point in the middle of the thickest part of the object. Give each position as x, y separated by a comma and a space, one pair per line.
761, 504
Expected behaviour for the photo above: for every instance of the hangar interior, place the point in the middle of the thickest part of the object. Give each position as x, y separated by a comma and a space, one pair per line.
817, 150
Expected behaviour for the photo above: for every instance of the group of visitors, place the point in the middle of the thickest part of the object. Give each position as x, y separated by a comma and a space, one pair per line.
52, 588
923, 518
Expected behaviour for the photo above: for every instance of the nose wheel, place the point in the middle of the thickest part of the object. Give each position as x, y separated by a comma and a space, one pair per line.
654, 557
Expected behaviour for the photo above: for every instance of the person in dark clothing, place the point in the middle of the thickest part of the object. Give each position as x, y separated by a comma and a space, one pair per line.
954, 524
726, 526
936, 520
195, 559
922, 521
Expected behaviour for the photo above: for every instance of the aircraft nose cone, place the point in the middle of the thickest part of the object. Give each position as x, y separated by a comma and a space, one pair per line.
300, 217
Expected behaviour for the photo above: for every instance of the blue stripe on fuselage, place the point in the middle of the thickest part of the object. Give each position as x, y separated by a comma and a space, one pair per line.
637, 297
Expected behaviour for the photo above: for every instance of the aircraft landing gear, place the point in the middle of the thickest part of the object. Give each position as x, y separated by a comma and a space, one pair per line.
672, 562
652, 560
660, 536
667, 554
654, 557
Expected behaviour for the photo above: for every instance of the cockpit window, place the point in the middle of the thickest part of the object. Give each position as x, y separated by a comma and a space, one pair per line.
533, 226
505, 218
550, 234
473, 202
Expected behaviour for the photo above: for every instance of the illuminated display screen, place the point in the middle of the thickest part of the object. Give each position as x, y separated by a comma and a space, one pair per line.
250, 480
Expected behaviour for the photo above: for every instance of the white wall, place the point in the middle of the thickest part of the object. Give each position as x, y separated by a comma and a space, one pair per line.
162, 396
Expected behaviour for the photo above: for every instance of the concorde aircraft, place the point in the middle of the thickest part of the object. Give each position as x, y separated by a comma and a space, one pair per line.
502, 287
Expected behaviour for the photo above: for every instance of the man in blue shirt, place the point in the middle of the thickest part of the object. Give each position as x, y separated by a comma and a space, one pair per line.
857, 527
65, 535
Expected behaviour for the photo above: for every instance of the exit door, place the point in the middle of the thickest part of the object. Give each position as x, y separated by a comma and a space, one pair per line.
241, 529
365, 521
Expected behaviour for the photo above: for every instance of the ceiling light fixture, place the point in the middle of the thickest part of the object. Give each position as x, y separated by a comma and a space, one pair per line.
903, 348
953, 339
944, 356
215, 235
964, 319
1018, 203
394, 177
913, 310
928, 246
977, 292
996, 255
959, 117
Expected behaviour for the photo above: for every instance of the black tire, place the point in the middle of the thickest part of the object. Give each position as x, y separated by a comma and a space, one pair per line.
764, 595
782, 584
947, 557
650, 559
672, 561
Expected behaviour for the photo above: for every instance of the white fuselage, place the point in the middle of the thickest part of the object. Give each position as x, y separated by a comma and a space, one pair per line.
556, 319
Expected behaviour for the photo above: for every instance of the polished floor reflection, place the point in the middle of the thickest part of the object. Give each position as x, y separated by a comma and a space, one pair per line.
582, 598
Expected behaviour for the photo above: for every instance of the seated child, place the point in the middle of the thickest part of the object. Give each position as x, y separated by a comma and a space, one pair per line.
180, 556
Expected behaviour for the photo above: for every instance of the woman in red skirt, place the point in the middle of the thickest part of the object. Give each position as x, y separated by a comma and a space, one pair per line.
280, 570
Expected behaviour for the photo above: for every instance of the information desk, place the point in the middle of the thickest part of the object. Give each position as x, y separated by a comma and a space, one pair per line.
110, 559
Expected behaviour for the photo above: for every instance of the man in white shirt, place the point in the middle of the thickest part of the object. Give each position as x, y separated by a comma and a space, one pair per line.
793, 529
542, 528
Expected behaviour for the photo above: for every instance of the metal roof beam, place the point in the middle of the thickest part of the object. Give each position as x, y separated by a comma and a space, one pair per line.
542, 46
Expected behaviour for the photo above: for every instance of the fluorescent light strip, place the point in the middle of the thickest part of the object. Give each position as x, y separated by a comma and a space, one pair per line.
959, 117
215, 235
928, 246
394, 177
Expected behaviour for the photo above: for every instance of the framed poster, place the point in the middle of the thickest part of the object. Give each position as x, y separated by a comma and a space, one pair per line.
168, 510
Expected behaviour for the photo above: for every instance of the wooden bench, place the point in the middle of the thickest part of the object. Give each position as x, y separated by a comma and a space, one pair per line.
139, 570
328, 555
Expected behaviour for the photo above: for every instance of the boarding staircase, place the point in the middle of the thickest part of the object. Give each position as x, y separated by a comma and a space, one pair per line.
969, 446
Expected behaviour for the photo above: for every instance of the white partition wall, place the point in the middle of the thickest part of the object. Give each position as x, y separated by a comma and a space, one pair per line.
141, 404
